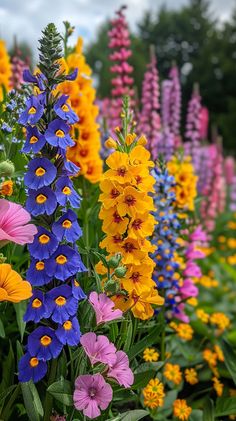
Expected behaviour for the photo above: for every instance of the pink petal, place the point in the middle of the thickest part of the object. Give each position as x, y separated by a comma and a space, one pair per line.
92, 411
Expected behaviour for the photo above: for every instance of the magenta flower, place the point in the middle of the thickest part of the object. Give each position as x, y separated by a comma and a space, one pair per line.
188, 289
14, 224
120, 371
98, 349
104, 308
91, 394
192, 269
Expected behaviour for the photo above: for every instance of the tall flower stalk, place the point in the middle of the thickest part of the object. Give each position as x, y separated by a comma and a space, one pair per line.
150, 122
127, 220
54, 258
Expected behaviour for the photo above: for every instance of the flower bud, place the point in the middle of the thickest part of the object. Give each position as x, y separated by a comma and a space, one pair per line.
2, 258
130, 138
114, 261
120, 271
7, 168
111, 286
142, 140
110, 143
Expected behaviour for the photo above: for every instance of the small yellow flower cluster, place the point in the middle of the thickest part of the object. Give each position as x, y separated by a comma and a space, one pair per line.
173, 373
127, 222
191, 376
202, 315
218, 386
85, 153
6, 188
220, 320
183, 330
181, 410
5, 69
186, 182
154, 394
150, 355
231, 225
207, 281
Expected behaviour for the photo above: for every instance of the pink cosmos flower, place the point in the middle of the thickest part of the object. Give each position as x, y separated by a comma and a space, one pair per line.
120, 371
91, 394
13, 220
98, 349
104, 308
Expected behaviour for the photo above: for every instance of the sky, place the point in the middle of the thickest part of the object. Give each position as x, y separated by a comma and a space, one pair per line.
26, 18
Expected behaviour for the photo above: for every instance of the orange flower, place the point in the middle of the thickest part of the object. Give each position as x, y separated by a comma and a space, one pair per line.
12, 286
6, 188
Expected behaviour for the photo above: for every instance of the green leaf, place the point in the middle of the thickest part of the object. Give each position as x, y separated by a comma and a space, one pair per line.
225, 406
62, 391
230, 359
2, 330
32, 401
6, 392
142, 379
20, 309
8, 370
136, 415
208, 412
196, 415
148, 340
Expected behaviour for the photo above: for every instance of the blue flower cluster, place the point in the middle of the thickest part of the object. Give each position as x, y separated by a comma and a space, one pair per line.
165, 273
55, 260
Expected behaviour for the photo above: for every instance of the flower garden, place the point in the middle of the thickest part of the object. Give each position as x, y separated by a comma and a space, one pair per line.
118, 243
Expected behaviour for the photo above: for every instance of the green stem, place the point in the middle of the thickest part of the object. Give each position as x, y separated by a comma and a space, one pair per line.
9, 406
49, 398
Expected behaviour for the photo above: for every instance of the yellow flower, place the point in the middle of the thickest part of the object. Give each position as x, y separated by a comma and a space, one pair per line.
120, 169
112, 222
220, 320
184, 331
111, 191
191, 376
132, 201
218, 386
130, 138
202, 315
5, 69
150, 355
110, 143
12, 286
154, 394
181, 410
6, 188
219, 353
172, 372
141, 225
192, 301
210, 357
141, 304
137, 277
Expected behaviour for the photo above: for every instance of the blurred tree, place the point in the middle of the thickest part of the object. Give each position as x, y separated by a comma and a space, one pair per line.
204, 51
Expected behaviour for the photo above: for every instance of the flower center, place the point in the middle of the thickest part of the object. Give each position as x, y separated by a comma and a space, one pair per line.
129, 247
32, 110
66, 223
130, 200
76, 284
65, 107
66, 190
117, 218
60, 301
67, 325
135, 276
34, 139
40, 171
60, 133
39, 265
34, 362
84, 152
36, 303
138, 179
61, 259
44, 239
137, 224
114, 193
117, 238
41, 199
45, 340
122, 171
92, 392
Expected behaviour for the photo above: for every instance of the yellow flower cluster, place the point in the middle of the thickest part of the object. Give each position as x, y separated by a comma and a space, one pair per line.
154, 394
183, 330
85, 153
218, 386
220, 320
173, 373
127, 222
181, 410
207, 281
150, 355
191, 376
186, 182
5, 69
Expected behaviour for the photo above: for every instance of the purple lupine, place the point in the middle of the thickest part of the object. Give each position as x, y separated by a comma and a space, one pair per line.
119, 42
18, 65
150, 122
193, 128
175, 104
